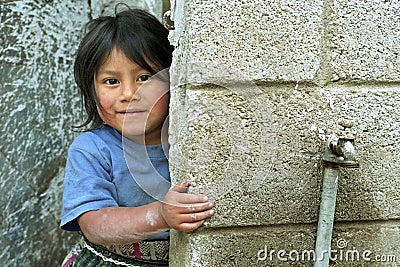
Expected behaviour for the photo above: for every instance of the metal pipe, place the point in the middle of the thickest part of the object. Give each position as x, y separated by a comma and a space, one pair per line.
326, 215
339, 152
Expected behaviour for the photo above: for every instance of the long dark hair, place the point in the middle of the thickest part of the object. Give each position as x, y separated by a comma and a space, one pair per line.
138, 34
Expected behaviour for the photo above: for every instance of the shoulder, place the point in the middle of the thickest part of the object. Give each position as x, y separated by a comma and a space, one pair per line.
94, 151
100, 142
96, 138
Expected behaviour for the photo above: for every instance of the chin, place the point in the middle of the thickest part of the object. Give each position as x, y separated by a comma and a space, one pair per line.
133, 135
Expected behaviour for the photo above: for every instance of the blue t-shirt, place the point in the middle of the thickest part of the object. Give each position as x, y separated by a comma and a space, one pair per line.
104, 169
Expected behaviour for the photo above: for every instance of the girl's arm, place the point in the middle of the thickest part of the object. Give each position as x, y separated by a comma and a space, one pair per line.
124, 225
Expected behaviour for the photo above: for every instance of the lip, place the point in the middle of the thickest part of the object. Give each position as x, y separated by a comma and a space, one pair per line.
132, 112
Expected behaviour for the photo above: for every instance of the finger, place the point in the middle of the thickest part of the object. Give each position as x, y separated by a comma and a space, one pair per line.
180, 187
185, 198
190, 207
198, 207
188, 227
198, 216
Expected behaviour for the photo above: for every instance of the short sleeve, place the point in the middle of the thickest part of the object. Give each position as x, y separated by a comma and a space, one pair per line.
88, 183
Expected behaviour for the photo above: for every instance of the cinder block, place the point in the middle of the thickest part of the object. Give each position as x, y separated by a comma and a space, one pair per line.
291, 245
266, 40
238, 246
259, 157
365, 40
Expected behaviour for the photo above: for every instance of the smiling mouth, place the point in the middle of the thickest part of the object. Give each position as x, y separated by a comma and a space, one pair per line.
132, 112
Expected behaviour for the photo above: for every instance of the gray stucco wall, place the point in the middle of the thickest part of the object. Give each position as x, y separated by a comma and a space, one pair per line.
39, 103
257, 89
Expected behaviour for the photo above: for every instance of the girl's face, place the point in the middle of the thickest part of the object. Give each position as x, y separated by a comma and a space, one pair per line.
130, 100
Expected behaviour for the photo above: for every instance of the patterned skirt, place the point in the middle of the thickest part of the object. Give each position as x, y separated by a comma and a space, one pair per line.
143, 254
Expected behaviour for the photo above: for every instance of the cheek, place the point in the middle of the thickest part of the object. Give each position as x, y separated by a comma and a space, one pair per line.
104, 108
162, 105
105, 101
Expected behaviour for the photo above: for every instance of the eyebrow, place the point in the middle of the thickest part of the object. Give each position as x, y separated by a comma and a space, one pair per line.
115, 73
108, 72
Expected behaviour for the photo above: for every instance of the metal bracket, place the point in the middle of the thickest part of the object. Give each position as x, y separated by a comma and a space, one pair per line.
168, 23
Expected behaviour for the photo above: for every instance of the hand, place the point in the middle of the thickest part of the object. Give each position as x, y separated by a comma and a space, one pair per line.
185, 212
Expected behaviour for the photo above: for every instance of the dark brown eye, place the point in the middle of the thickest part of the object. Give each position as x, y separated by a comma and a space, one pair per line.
143, 78
112, 81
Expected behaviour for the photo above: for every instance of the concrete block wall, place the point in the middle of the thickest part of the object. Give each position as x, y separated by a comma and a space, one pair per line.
257, 89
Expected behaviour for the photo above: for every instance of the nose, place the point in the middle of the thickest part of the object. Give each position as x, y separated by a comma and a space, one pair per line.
130, 92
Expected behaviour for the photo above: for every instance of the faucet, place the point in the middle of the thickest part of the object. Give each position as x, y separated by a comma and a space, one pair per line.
339, 152
340, 148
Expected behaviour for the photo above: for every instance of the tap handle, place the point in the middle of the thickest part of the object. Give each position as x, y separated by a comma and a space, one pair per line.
344, 129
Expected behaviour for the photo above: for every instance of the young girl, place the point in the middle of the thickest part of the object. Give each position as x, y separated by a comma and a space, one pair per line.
116, 187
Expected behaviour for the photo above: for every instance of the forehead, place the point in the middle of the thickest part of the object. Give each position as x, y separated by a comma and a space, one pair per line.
116, 55
117, 60
120, 60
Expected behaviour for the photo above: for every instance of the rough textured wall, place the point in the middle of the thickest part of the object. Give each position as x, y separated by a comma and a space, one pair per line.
39, 102
107, 7
257, 89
